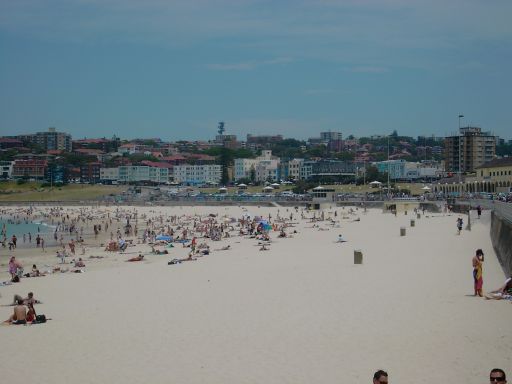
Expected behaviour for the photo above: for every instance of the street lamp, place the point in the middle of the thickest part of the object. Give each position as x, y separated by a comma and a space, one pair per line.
388, 167
461, 116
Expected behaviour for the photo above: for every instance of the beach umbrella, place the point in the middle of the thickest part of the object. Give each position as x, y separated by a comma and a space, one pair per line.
375, 183
426, 188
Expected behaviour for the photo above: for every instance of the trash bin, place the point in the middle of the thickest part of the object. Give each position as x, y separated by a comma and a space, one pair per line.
358, 256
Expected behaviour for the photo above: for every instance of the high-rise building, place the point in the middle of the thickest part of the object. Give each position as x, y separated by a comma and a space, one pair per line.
50, 140
328, 136
468, 150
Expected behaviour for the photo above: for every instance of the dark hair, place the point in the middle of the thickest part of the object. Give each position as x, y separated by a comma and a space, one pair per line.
499, 370
479, 252
377, 375
20, 301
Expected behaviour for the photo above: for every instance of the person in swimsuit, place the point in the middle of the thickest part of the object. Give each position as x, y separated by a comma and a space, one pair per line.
477, 261
138, 258
20, 314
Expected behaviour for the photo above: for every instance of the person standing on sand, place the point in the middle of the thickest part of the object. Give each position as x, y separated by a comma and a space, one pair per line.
477, 262
459, 225
12, 267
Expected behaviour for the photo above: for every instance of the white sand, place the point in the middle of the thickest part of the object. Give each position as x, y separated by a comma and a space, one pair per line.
299, 313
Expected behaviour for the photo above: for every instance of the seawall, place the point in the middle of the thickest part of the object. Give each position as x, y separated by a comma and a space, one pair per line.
501, 237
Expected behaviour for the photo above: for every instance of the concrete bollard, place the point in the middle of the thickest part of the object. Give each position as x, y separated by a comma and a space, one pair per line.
418, 215
402, 231
405, 213
413, 223
358, 256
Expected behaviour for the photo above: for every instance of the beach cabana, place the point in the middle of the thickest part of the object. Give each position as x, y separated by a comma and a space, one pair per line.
275, 185
268, 188
223, 190
426, 188
374, 184
242, 186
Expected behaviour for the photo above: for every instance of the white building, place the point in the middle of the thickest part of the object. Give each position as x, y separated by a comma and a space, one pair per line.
109, 174
294, 166
6, 169
135, 174
415, 171
405, 170
197, 174
266, 167
306, 170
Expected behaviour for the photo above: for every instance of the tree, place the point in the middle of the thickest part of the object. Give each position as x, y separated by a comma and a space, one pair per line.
225, 160
373, 174
302, 186
252, 174
345, 155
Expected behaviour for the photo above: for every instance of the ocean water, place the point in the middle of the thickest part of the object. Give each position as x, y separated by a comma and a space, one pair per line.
34, 228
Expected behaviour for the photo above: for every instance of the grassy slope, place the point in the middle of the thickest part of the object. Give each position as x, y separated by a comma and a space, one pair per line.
72, 192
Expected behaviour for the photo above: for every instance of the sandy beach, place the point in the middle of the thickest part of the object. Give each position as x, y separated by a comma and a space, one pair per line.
300, 312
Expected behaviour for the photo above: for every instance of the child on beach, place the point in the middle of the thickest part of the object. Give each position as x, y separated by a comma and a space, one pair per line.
459, 225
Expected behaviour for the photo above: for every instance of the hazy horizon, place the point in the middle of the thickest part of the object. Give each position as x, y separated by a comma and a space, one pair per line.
175, 69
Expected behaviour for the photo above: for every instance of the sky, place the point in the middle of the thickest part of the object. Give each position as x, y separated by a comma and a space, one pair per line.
174, 69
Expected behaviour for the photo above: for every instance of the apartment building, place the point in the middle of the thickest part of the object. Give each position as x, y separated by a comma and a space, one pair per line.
265, 167
468, 150
109, 174
198, 174
33, 169
6, 169
50, 140
90, 173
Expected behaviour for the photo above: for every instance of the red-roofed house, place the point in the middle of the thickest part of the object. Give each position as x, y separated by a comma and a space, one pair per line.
175, 159
157, 164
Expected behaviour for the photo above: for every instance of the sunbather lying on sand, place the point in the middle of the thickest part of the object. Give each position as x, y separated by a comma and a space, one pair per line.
225, 248
138, 258
178, 261
504, 292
